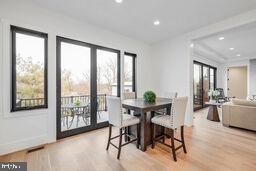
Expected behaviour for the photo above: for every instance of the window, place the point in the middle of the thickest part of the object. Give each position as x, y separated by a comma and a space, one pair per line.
129, 72
204, 81
29, 69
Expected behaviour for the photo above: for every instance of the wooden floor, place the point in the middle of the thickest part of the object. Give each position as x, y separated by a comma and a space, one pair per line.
210, 146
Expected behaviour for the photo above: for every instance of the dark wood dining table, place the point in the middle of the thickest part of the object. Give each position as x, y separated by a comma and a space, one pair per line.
146, 110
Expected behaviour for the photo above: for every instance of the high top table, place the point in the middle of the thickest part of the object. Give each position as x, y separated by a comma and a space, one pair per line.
213, 114
142, 107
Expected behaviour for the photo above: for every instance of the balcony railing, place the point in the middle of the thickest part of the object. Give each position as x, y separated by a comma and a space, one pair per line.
101, 100
30, 102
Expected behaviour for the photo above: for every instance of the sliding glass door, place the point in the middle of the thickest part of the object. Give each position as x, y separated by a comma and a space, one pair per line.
204, 81
197, 86
86, 74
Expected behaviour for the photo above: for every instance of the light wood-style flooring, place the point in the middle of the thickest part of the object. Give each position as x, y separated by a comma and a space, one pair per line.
210, 147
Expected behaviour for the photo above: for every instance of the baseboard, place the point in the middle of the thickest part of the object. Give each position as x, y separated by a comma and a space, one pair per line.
19, 145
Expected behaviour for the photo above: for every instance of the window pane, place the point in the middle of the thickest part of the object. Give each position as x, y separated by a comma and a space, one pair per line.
128, 73
30, 55
211, 79
197, 86
206, 85
107, 81
75, 86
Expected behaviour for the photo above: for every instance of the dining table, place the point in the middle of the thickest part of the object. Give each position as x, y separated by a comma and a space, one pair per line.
147, 111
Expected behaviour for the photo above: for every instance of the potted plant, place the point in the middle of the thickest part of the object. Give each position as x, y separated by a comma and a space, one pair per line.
213, 94
149, 96
77, 102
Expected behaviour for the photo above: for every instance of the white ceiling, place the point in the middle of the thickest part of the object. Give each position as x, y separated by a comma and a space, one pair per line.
134, 18
242, 39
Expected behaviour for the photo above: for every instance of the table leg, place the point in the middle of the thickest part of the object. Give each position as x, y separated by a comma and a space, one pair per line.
143, 130
213, 114
128, 128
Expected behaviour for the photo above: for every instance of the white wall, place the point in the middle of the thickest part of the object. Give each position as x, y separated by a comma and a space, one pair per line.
172, 67
174, 62
224, 67
21, 130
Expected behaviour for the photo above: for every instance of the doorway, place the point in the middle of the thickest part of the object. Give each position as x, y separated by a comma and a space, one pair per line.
237, 82
86, 75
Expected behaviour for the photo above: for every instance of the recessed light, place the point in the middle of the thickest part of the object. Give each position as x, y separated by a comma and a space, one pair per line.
156, 22
119, 1
192, 45
238, 55
231, 48
221, 38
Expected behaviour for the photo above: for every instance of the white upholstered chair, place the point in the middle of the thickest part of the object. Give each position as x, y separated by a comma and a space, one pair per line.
118, 119
129, 95
173, 121
169, 95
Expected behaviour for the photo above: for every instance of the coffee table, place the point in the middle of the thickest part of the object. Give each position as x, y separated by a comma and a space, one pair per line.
213, 114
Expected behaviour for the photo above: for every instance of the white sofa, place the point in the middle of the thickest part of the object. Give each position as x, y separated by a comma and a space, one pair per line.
239, 113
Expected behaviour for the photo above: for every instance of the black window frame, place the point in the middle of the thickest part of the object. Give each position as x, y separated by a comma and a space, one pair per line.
93, 83
14, 30
202, 83
134, 56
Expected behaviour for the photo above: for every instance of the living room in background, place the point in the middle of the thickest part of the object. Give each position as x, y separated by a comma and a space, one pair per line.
86, 74
29, 69
129, 72
237, 82
204, 81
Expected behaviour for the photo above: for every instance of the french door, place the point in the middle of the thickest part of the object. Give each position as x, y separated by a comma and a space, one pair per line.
204, 81
86, 75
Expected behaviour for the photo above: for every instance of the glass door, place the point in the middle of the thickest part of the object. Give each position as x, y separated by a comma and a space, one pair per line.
206, 85
86, 75
197, 87
204, 81
73, 87
108, 80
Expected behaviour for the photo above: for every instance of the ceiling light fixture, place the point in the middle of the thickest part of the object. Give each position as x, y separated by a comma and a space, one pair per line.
238, 55
192, 45
119, 1
231, 48
221, 38
156, 22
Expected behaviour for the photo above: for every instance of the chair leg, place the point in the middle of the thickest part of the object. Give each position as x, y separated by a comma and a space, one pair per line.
67, 121
153, 134
182, 139
109, 136
138, 136
77, 120
173, 146
120, 143
125, 135
164, 135
129, 133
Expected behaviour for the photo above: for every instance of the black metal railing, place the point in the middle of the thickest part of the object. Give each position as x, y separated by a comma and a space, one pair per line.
30, 102
101, 101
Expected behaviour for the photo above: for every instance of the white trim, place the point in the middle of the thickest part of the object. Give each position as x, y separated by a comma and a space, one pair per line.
23, 144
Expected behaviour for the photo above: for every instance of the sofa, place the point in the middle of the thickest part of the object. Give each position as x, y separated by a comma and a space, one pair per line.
239, 113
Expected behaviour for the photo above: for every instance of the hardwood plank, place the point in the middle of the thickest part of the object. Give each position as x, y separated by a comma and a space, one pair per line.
210, 146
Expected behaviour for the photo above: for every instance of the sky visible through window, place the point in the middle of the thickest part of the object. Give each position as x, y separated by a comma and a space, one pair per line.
30, 46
